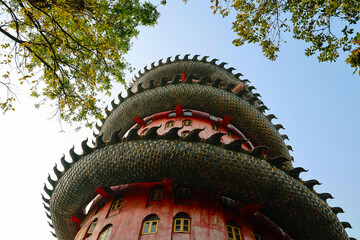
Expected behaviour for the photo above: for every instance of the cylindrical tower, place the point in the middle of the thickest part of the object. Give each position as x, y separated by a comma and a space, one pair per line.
188, 154
164, 210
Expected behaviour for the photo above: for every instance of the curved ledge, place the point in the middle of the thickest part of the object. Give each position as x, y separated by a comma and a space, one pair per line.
199, 67
238, 175
215, 101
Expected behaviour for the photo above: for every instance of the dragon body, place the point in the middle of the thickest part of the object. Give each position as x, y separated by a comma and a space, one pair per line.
121, 156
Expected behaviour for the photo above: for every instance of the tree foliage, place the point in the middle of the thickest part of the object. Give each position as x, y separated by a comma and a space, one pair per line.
354, 56
327, 25
69, 51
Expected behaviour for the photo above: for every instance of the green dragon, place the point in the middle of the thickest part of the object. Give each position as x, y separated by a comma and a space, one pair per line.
121, 156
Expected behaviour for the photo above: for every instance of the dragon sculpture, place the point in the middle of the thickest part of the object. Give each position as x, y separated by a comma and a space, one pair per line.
122, 156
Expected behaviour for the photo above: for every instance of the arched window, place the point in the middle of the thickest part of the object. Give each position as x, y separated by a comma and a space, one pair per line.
172, 114
187, 113
258, 235
170, 124
182, 223
156, 193
187, 122
150, 224
233, 230
105, 233
91, 228
182, 192
213, 118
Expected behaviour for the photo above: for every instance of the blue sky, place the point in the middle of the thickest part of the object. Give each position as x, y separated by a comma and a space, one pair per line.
317, 103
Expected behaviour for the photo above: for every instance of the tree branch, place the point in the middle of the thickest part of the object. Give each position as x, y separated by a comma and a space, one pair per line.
61, 28
11, 36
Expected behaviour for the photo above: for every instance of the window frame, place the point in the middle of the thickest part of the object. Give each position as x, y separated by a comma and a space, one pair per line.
230, 134
183, 193
182, 224
213, 118
169, 124
233, 228
154, 194
187, 113
107, 230
91, 228
215, 127
116, 203
172, 115
151, 222
187, 122
258, 235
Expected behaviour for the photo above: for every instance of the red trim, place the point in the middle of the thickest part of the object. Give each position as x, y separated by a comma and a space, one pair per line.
76, 220
178, 110
139, 121
264, 153
183, 77
225, 121
103, 193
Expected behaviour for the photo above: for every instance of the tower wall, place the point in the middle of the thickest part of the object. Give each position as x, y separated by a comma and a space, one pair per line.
208, 213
